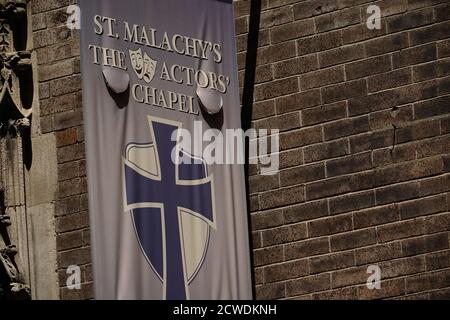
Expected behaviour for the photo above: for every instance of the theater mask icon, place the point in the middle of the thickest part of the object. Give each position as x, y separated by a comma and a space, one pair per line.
143, 65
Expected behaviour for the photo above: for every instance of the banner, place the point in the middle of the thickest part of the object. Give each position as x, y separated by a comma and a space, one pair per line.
161, 111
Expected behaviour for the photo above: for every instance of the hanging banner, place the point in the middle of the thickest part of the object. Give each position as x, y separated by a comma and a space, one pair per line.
166, 188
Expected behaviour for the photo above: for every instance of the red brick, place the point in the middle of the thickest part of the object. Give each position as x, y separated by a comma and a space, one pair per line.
66, 137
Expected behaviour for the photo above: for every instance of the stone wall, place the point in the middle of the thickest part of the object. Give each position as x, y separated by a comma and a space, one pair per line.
365, 121
58, 57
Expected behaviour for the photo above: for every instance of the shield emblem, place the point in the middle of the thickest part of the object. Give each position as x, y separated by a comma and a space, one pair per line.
144, 157
143, 65
171, 205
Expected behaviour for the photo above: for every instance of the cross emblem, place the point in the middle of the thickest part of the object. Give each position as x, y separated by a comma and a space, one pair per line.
156, 200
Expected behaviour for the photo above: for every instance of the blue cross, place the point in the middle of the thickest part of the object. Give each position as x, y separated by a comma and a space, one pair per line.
158, 200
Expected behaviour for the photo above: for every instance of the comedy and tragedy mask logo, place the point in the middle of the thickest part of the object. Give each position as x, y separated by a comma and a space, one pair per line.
143, 65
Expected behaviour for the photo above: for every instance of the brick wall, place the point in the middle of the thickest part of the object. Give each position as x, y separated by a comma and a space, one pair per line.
60, 113
365, 121
365, 161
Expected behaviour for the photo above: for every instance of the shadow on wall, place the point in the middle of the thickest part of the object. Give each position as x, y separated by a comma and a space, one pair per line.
247, 100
